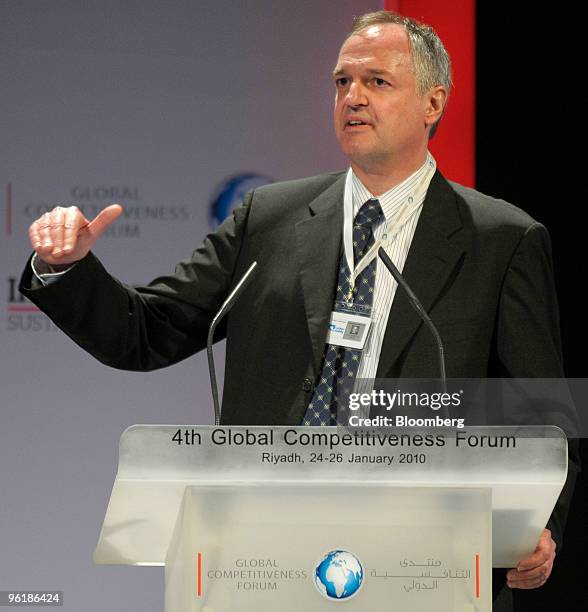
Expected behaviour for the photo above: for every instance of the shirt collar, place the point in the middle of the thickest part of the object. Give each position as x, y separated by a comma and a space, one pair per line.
391, 200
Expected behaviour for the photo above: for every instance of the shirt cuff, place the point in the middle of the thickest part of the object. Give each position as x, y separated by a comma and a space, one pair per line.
47, 273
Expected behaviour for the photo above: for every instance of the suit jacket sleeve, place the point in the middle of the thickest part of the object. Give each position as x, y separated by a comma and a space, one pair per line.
528, 338
144, 328
529, 345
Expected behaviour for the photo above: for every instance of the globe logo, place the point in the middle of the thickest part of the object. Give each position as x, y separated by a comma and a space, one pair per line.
338, 575
230, 193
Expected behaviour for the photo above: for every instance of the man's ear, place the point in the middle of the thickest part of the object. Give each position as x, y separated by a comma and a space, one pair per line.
436, 99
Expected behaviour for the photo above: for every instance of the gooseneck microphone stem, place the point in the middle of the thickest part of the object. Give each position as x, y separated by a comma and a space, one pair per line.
416, 304
227, 305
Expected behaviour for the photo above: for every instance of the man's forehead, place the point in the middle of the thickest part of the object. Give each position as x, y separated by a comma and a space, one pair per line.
383, 41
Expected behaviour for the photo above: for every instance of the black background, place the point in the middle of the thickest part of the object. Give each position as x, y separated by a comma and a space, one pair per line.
530, 126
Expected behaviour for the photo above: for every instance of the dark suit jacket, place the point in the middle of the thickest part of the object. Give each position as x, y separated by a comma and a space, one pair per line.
481, 267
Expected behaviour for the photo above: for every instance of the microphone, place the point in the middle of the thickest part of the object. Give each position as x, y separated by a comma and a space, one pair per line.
416, 304
224, 309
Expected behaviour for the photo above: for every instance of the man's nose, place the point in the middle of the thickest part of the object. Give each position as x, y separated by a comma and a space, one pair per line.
356, 95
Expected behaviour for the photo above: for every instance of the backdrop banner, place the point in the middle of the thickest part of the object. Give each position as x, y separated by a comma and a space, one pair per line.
174, 110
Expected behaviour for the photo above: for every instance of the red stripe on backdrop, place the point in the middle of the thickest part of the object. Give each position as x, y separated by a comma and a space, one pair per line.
454, 144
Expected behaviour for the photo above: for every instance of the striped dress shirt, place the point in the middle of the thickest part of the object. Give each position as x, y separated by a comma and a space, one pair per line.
392, 202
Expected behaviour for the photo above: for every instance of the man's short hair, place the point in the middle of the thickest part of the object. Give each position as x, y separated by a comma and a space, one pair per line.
430, 59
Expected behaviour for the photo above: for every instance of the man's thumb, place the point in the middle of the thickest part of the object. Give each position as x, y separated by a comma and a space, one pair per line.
103, 219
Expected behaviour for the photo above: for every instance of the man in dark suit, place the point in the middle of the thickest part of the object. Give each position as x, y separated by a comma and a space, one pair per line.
481, 267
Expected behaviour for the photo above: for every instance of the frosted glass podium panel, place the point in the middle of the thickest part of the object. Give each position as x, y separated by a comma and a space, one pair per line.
249, 547
424, 513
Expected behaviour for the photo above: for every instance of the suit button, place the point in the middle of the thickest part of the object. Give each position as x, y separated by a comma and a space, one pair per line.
307, 384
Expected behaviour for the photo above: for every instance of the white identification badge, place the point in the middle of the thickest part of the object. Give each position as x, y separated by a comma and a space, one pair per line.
348, 330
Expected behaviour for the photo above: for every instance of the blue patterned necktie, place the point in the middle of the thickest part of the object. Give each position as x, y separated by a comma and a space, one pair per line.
340, 364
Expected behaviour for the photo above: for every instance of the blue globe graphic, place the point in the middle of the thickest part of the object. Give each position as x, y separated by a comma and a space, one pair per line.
339, 575
230, 193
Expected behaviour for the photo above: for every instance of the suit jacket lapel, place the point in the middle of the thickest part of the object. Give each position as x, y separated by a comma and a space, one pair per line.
435, 250
319, 250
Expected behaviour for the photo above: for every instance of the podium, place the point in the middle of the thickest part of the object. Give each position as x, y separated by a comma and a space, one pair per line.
279, 518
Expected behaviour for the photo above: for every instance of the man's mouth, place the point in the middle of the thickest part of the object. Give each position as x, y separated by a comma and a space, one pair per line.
356, 124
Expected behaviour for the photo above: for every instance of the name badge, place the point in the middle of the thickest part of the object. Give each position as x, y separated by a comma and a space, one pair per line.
348, 330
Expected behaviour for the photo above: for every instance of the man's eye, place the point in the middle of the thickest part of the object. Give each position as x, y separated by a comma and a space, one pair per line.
380, 82
341, 82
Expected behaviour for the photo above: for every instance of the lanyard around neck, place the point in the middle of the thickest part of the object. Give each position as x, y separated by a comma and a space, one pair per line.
408, 209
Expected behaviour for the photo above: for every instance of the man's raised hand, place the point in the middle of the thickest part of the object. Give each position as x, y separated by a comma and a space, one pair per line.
64, 235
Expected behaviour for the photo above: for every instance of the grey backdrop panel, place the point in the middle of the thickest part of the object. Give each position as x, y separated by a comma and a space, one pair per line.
152, 104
